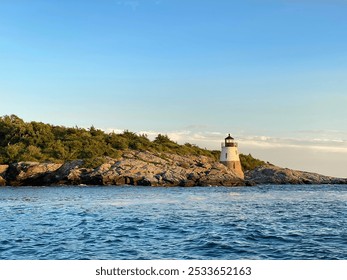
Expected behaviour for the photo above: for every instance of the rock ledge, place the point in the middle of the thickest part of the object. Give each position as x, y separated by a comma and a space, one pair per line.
133, 168
270, 174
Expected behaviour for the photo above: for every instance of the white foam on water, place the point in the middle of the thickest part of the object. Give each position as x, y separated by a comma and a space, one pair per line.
234, 194
197, 198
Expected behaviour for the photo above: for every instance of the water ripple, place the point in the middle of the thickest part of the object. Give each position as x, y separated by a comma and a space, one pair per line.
264, 222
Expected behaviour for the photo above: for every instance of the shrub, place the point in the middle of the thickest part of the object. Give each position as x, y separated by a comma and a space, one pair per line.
36, 141
248, 162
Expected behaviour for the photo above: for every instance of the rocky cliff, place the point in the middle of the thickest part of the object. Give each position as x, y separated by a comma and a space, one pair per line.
152, 169
270, 174
133, 168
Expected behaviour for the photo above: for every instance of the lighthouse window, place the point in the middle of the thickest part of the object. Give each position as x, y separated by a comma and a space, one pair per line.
236, 152
226, 155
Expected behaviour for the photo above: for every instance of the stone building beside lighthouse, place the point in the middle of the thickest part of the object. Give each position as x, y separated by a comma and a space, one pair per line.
230, 156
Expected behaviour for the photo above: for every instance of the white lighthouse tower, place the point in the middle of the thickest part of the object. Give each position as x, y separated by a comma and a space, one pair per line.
230, 156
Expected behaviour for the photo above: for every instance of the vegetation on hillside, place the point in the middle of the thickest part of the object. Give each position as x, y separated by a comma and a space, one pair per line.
248, 162
36, 141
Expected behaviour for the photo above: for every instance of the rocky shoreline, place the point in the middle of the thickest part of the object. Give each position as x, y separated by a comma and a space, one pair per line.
152, 169
133, 168
271, 174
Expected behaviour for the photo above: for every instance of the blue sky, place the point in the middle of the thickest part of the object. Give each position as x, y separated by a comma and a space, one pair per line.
272, 73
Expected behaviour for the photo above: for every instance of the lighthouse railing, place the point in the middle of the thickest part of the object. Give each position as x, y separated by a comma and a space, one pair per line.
229, 144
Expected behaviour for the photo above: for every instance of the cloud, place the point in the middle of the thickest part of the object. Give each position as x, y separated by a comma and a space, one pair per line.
317, 144
112, 130
213, 139
324, 155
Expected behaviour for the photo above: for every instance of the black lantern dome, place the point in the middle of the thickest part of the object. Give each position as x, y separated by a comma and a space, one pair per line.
229, 141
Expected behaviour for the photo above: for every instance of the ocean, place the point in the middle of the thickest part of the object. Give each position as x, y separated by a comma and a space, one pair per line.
105, 223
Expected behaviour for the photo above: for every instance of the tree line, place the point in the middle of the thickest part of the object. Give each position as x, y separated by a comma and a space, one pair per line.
37, 141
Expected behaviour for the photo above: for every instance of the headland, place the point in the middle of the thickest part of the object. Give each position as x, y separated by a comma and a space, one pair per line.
38, 154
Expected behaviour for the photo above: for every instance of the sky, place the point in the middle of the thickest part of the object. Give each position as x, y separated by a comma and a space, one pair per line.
273, 73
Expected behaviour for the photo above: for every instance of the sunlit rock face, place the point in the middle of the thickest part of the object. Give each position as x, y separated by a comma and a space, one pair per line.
132, 168
271, 174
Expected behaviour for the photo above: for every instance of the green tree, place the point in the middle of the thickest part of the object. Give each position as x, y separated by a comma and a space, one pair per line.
15, 152
248, 162
37, 141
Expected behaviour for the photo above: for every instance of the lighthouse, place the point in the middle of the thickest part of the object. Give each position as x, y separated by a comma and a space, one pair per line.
230, 156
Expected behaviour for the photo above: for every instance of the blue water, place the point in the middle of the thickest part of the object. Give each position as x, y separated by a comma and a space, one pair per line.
264, 222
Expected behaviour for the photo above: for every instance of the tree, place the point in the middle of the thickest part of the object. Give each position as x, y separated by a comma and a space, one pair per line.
37, 141
162, 139
14, 152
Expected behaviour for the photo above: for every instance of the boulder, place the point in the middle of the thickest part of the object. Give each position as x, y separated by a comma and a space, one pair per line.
220, 180
3, 169
68, 173
271, 174
2, 181
29, 173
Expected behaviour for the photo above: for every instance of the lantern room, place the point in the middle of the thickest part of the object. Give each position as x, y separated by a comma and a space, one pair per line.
229, 142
